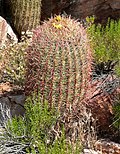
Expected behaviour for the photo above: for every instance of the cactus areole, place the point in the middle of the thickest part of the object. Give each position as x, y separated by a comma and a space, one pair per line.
59, 62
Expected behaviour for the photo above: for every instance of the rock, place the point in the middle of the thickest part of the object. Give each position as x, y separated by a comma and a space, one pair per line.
4, 110
107, 147
102, 9
52, 7
89, 151
7, 35
104, 147
100, 99
12, 102
17, 104
11, 106
5, 87
9, 88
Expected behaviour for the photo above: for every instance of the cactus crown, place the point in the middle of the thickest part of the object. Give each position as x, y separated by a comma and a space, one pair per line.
59, 62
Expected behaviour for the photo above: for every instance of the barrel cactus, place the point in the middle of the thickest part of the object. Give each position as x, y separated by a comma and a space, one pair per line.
59, 65
59, 62
23, 14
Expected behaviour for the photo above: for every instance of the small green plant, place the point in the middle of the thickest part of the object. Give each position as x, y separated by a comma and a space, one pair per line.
37, 120
105, 41
13, 64
33, 130
116, 119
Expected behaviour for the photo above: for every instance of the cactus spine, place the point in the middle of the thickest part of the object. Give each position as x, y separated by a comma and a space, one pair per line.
23, 14
59, 62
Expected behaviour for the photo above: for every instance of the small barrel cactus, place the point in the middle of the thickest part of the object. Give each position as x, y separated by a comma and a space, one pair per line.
59, 62
23, 14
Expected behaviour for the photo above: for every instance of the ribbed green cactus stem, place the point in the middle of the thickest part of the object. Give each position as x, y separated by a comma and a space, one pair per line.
59, 62
23, 14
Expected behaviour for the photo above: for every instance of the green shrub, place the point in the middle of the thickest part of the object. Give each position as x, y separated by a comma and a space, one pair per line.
105, 41
116, 119
37, 120
34, 128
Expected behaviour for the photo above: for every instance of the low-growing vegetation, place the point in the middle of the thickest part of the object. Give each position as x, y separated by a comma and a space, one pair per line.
105, 42
116, 119
33, 132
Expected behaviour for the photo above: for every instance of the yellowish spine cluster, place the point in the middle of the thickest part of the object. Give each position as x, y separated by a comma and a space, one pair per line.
57, 23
